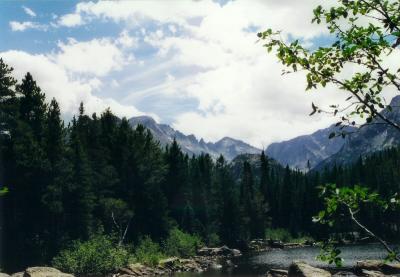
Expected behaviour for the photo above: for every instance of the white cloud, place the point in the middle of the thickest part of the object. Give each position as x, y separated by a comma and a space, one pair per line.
239, 89
127, 41
22, 26
29, 11
70, 20
57, 82
97, 57
208, 53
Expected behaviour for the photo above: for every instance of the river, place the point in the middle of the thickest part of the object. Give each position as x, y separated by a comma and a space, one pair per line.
258, 264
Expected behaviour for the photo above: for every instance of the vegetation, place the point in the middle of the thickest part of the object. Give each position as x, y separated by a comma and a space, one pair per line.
180, 244
98, 255
148, 252
367, 36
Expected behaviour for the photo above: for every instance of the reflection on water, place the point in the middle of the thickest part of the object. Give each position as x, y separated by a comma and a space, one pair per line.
258, 264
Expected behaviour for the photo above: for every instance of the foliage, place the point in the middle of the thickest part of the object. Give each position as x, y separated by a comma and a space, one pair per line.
148, 252
99, 255
367, 35
330, 253
278, 234
3, 191
349, 201
181, 244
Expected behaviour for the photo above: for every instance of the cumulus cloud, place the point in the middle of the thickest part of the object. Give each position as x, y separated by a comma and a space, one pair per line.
29, 11
57, 82
22, 26
97, 56
207, 53
70, 20
73, 73
239, 89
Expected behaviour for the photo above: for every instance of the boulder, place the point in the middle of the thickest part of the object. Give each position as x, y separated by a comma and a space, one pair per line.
277, 273
4, 275
302, 269
375, 265
18, 274
276, 244
219, 251
44, 272
169, 262
371, 273
344, 274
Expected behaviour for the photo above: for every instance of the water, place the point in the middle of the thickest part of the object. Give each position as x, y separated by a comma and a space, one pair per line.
258, 264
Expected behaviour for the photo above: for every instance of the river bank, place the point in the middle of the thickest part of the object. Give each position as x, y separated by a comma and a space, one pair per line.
226, 262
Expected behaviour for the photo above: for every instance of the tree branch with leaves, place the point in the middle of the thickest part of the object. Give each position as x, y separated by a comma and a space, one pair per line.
367, 36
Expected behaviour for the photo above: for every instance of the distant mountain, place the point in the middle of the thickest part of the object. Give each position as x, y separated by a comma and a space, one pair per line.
165, 134
313, 148
368, 139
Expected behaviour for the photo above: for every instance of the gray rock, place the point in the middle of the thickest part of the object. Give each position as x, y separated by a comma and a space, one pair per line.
302, 269
18, 274
371, 273
44, 272
277, 273
4, 275
344, 274
376, 265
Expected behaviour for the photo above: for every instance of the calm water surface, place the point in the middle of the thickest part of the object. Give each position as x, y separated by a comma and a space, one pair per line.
258, 264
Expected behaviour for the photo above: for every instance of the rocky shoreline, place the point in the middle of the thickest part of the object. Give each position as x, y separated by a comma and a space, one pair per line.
216, 258
368, 268
207, 258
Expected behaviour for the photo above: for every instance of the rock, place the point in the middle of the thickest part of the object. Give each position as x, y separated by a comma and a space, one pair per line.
277, 273
228, 263
224, 251
344, 274
301, 269
371, 273
44, 272
236, 253
169, 262
126, 271
215, 266
18, 274
276, 243
375, 265
4, 275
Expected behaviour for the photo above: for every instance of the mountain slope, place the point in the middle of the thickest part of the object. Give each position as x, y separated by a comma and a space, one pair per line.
368, 139
313, 148
165, 134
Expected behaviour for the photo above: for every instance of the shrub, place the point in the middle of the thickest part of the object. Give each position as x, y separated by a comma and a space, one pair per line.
181, 244
99, 255
148, 252
278, 234
213, 240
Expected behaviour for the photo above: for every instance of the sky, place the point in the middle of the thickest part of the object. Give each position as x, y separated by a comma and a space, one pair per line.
196, 65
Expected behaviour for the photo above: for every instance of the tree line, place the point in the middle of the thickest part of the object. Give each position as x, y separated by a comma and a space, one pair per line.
97, 174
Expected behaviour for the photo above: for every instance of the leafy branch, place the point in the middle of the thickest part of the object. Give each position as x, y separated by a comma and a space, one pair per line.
337, 200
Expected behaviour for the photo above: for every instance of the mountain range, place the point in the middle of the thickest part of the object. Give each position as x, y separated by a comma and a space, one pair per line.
314, 151
165, 134
305, 152
369, 138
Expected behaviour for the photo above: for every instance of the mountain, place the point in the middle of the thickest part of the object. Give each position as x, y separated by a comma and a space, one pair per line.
368, 139
313, 148
165, 134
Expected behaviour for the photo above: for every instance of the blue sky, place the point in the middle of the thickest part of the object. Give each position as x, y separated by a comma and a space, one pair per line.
193, 64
